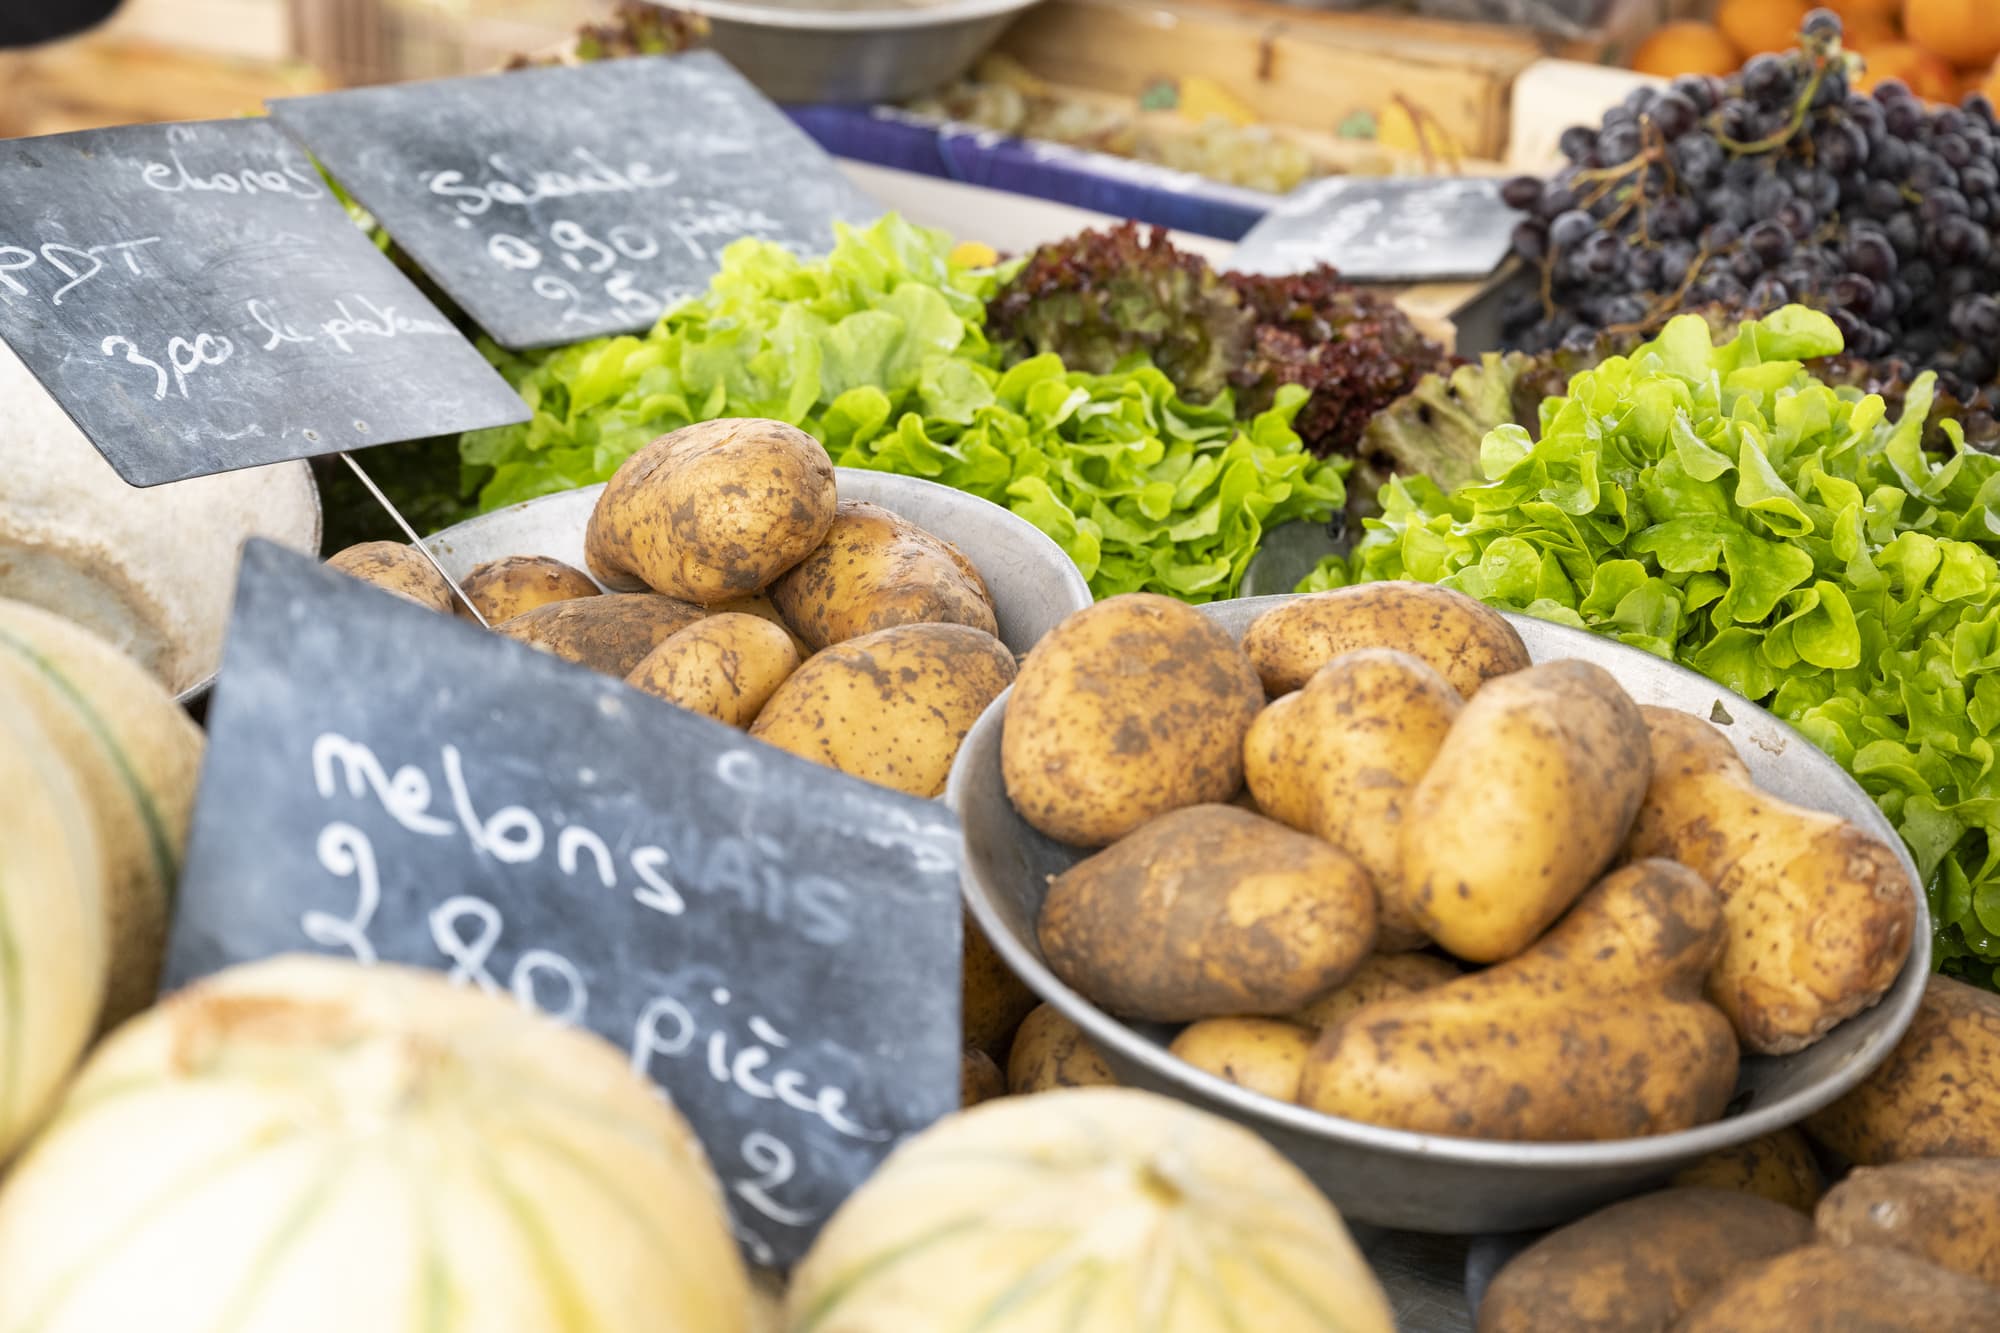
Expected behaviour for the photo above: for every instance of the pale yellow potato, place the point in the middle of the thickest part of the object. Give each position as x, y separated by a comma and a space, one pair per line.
1778, 1166
724, 666
1382, 976
712, 512
891, 707
992, 1000
1051, 1052
1265, 1055
1467, 642
1526, 803
763, 608
516, 584
979, 1079
1128, 709
1208, 912
396, 567
1820, 914
1339, 757
1495, 1055
1850, 1289
876, 569
611, 633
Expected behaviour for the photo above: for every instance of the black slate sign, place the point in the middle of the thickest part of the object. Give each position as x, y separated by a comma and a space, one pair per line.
775, 944
561, 203
197, 301
1385, 229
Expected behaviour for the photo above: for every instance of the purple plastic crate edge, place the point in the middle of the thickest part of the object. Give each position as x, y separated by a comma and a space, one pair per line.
1010, 164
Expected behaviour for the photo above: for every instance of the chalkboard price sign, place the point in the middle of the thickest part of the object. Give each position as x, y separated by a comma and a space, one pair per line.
197, 301
562, 203
1385, 229
775, 944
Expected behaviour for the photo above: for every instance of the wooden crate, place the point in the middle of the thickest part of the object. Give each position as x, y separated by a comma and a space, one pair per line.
97, 81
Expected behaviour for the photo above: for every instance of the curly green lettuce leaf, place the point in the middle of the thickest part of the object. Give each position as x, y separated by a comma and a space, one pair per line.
1717, 504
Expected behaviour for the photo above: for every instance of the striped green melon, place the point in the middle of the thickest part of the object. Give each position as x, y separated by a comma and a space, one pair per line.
1104, 1210
52, 949
305, 1145
137, 755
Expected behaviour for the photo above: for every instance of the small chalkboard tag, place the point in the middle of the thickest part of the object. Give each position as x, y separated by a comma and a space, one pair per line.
774, 944
197, 301
1385, 229
562, 203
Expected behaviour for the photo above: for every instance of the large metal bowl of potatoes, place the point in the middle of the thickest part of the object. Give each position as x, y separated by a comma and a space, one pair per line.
1481, 920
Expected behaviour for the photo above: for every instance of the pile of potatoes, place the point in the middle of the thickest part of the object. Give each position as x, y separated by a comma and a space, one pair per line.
1752, 1242
1374, 861
738, 585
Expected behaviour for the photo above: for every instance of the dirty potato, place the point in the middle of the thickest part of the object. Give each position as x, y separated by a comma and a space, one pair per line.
1620, 978
724, 666
712, 512
1638, 1265
611, 633
1339, 758
890, 707
1208, 912
398, 568
876, 569
1778, 1167
1943, 1209
979, 1079
1467, 642
1382, 976
992, 1000
1938, 1093
1526, 803
763, 608
1858, 1289
1128, 709
505, 588
1820, 913
1052, 1052
1266, 1055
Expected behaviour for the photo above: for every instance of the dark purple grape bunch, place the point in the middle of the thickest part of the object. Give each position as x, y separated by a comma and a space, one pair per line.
1779, 184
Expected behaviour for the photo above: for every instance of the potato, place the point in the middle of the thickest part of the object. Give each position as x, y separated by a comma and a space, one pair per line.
724, 666
396, 567
892, 706
1611, 998
762, 607
1052, 1052
611, 633
1942, 1209
1864, 1289
876, 569
1467, 642
1208, 912
1820, 914
979, 1079
992, 1000
712, 512
1637, 1266
1339, 758
1527, 801
516, 584
1938, 1093
1777, 1166
1128, 709
1266, 1055
1382, 976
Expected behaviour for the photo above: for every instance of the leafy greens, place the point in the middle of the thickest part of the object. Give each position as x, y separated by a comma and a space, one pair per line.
1718, 505
880, 351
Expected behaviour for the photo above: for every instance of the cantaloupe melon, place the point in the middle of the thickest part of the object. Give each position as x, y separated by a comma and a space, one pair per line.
305, 1145
52, 950
1100, 1209
137, 755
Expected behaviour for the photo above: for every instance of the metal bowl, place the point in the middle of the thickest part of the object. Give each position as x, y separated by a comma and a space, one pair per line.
1426, 1182
812, 55
1034, 585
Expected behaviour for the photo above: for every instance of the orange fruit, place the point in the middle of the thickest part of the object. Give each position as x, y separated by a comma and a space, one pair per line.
1687, 47
1960, 32
1881, 13
1989, 84
1923, 73
1756, 26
